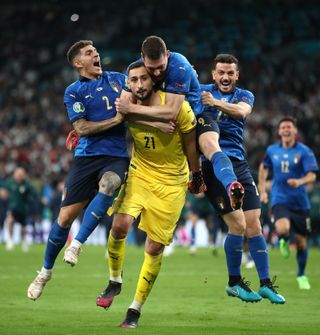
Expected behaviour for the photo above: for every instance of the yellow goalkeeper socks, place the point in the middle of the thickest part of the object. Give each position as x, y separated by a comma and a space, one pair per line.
148, 274
116, 250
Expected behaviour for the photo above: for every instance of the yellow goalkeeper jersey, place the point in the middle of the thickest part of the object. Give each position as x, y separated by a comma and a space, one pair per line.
160, 157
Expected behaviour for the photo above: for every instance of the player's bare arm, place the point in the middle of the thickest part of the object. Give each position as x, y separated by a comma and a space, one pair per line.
192, 153
262, 186
236, 111
309, 178
84, 127
168, 112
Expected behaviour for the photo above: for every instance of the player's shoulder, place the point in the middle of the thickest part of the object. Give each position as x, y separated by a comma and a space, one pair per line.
73, 87
241, 91
178, 61
114, 75
274, 146
303, 147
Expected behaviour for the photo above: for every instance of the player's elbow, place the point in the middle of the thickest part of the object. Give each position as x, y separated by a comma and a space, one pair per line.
312, 177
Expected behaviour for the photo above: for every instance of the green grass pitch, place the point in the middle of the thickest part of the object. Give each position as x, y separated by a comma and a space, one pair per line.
188, 298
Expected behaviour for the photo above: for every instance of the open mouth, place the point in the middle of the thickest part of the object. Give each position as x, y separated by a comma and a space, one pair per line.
97, 64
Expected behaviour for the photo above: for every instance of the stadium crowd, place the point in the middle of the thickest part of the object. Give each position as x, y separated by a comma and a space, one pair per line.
277, 43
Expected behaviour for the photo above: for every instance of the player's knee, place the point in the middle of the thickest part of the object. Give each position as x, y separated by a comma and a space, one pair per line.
301, 244
209, 144
253, 230
65, 219
109, 183
120, 226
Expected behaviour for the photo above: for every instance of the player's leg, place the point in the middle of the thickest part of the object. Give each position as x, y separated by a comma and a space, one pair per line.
282, 224
302, 226
259, 252
302, 257
193, 220
56, 240
208, 138
148, 275
10, 223
80, 185
116, 251
233, 247
159, 221
112, 171
126, 208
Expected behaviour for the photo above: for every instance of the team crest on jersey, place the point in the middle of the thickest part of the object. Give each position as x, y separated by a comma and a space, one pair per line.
115, 86
296, 159
78, 107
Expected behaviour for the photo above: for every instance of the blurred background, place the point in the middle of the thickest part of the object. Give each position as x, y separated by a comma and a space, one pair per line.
276, 42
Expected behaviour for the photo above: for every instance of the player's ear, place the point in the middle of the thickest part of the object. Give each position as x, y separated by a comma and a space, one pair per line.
77, 63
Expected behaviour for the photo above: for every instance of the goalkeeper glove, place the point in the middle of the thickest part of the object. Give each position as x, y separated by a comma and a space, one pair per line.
72, 140
196, 184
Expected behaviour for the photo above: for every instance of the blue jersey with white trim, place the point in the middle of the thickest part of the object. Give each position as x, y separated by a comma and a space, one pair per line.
286, 163
231, 130
94, 100
181, 78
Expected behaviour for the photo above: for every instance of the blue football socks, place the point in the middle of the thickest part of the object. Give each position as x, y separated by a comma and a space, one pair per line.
233, 249
259, 253
56, 240
93, 215
223, 170
302, 256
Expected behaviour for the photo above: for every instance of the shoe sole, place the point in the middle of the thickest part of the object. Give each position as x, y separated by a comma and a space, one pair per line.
69, 262
237, 195
238, 296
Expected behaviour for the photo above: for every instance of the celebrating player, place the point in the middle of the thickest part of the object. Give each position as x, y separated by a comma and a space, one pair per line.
229, 106
156, 188
100, 161
293, 165
173, 73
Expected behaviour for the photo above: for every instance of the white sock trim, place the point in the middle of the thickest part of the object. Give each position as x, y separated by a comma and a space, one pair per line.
136, 305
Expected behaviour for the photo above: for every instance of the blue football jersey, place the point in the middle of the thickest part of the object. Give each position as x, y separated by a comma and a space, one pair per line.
94, 101
231, 130
294, 162
181, 78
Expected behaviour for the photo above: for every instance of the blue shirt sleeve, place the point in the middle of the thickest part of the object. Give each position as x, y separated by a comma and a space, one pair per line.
179, 79
74, 105
246, 96
309, 161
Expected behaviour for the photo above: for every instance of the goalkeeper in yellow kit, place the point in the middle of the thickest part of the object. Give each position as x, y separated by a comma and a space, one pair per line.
156, 188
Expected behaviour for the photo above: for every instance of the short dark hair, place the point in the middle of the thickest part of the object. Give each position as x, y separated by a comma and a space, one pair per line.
153, 47
225, 58
74, 50
135, 65
291, 119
